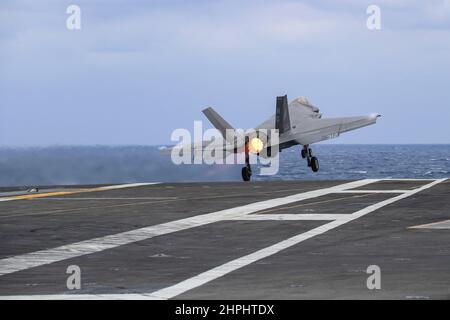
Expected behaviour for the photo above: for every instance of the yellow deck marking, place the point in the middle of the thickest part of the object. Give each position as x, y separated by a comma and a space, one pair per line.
48, 194
74, 191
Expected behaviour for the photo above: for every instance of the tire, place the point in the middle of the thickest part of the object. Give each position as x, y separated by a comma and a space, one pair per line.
314, 164
303, 154
246, 174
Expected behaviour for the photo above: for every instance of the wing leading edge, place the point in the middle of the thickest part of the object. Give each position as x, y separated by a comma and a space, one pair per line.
317, 130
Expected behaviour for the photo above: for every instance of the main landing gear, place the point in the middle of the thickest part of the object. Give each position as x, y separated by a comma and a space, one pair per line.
306, 152
313, 162
247, 170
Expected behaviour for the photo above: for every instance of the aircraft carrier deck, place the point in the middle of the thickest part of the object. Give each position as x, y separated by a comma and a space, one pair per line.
236, 240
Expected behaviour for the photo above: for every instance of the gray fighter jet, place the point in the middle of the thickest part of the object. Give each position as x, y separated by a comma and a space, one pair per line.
298, 122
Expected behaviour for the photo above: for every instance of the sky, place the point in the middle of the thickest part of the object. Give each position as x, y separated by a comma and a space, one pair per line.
137, 70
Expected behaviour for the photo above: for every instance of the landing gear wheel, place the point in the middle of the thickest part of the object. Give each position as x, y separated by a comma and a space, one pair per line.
303, 153
247, 170
314, 164
246, 174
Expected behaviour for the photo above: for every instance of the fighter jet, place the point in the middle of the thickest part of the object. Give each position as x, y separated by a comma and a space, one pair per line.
298, 123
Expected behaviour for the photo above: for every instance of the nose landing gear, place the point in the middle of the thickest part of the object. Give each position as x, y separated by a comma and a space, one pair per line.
246, 173
247, 170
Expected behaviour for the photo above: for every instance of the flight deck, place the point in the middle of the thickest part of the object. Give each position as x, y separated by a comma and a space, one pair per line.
227, 240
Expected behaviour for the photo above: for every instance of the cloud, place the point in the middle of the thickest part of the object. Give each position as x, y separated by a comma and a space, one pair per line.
207, 29
133, 62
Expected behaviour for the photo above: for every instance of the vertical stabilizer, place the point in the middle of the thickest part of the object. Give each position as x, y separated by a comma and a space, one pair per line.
282, 120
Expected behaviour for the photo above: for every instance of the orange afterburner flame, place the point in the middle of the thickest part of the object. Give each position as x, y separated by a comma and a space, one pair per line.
255, 145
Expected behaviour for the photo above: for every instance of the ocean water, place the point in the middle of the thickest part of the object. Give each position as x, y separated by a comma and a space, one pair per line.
104, 164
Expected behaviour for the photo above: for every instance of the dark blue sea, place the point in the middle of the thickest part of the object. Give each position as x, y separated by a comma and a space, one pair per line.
124, 164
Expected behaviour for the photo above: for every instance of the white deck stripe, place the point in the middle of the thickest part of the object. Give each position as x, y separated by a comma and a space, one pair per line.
217, 272
43, 257
407, 179
236, 264
228, 267
291, 217
375, 191
126, 185
435, 225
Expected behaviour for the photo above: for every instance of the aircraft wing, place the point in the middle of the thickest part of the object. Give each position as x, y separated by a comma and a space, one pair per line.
315, 130
306, 125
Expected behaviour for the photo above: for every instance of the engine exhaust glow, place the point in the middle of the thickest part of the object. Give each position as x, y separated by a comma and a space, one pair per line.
255, 145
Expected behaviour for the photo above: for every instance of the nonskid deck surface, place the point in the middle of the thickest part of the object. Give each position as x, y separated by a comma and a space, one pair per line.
258, 240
